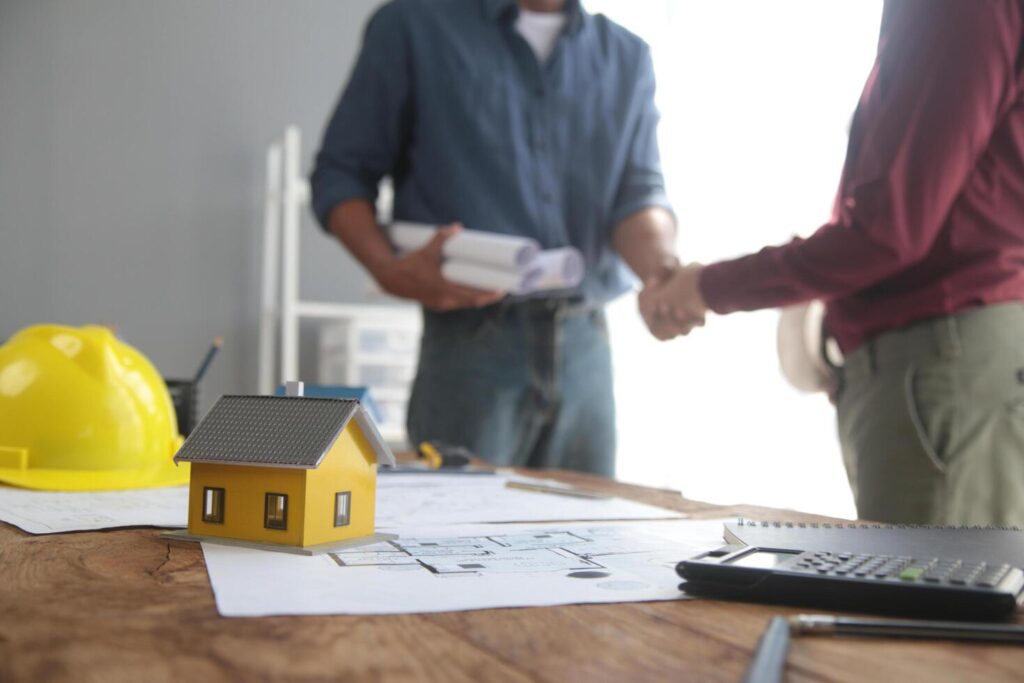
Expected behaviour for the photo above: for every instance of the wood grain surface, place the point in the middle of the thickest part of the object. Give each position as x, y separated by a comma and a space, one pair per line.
128, 605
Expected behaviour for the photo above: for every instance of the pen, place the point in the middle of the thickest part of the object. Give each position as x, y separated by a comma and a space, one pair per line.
541, 488
205, 365
821, 624
769, 663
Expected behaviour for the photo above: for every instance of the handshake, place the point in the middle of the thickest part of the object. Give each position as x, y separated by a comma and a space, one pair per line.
671, 304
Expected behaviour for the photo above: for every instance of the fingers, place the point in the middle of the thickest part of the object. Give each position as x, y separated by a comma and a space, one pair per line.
434, 247
666, 328
472, 293
669, 305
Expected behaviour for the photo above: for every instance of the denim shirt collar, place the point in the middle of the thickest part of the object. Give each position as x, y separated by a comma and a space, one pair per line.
507, 10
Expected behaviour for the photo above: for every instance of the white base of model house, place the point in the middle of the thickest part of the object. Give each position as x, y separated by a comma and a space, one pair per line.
184, 535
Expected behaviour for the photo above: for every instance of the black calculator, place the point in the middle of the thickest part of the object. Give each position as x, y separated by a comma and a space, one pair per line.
947, 588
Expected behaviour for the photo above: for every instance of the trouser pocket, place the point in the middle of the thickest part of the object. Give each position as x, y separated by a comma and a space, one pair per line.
931, 397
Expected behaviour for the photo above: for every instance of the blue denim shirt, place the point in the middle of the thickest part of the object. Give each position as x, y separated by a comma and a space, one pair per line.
450, 101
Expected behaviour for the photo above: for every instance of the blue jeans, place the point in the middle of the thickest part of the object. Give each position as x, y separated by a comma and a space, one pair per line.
527, 384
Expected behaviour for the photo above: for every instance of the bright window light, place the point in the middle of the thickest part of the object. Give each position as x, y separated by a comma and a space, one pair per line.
756, 98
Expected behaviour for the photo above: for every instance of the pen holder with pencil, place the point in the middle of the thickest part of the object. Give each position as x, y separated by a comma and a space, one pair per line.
185, 396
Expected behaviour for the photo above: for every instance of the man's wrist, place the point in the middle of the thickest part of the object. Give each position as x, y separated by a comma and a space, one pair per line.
661, 267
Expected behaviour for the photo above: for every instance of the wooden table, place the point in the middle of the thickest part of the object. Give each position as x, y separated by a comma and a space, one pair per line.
128, 605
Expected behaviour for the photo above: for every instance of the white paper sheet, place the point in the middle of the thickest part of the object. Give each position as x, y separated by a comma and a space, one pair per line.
47, 512
507, 252
471, 567
415, 500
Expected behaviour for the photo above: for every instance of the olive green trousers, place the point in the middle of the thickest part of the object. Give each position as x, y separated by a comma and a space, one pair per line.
931, 420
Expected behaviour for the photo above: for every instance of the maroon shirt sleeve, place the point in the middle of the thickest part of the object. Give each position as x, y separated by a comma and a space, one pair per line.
927, 113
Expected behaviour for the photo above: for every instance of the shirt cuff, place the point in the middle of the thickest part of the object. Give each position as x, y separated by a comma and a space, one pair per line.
653, 200
325, 199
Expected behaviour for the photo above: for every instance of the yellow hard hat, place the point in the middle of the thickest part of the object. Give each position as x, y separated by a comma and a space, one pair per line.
81, 410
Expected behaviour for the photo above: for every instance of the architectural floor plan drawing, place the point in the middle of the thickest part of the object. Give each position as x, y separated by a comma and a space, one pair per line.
465, 567
577, 550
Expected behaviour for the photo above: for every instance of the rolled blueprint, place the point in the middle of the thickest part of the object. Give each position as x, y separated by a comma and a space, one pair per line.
504, 251
557, 269
553, 269
487, 277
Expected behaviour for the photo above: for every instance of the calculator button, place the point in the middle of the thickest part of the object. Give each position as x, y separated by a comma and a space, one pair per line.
911, 573
992, 577
966, 571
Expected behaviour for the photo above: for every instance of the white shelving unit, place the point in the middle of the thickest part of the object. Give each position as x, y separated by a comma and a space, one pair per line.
374, 348
281, 309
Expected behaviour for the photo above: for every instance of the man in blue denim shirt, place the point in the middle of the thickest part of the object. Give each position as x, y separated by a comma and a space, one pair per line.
532, 118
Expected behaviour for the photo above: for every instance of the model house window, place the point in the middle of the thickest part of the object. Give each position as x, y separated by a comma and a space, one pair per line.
276, 511
342, 503
213, 505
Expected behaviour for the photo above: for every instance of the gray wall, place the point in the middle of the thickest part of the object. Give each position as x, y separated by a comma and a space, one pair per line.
132, 143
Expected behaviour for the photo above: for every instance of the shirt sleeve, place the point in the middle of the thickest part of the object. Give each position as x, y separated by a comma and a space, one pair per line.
367, 133
642, 184
942, 75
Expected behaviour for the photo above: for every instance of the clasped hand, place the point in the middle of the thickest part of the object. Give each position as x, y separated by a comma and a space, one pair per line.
672, 304
417, 275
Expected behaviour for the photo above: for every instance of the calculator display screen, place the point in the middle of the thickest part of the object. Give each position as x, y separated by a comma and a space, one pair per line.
763, 559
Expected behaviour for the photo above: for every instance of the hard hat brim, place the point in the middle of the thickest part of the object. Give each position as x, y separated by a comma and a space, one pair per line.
96, 480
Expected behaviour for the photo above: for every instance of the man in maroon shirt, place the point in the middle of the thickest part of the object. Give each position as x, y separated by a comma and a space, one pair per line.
921, 267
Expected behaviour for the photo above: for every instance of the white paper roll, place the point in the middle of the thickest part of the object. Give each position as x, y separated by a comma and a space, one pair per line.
504, 251
558, 269
554, 269
483, 277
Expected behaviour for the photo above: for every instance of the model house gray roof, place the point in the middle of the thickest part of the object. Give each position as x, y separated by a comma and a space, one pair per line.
277, 431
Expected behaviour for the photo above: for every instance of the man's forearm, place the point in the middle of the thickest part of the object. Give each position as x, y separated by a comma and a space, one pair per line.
354, 223
646, 241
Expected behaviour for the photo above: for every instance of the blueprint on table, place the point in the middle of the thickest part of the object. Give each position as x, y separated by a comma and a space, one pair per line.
51, 512
406, 500
465, 567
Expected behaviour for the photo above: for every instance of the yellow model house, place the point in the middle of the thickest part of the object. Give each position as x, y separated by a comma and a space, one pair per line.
286, 473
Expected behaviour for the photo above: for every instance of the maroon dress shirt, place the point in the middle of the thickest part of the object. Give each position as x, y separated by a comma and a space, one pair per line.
929, 218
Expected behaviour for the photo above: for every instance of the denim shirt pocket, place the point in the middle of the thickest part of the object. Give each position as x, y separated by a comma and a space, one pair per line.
473, 107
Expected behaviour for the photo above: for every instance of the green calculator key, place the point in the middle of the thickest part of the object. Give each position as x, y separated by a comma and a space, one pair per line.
911, 573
